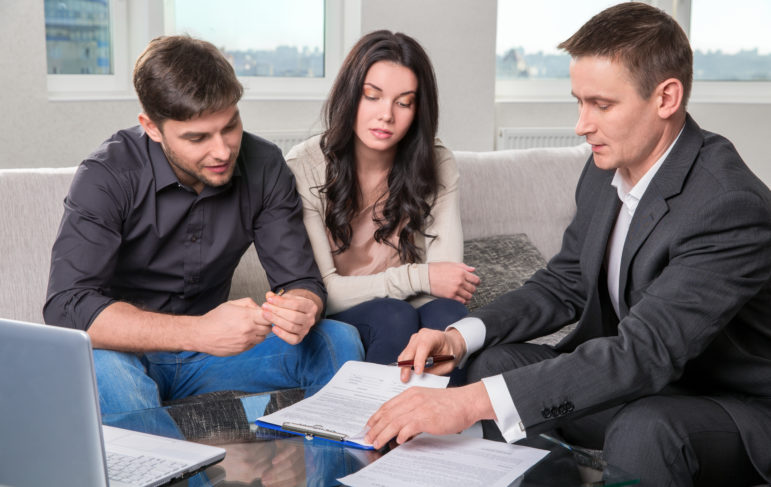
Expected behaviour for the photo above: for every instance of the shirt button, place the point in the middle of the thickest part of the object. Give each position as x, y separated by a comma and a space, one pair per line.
193, 238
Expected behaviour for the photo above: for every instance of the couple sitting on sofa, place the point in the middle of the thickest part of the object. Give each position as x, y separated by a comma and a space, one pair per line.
158, 217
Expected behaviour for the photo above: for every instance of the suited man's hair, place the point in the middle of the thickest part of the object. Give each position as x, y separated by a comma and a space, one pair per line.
645, 39
179, 77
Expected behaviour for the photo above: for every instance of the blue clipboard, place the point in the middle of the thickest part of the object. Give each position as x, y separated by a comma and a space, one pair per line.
314, 432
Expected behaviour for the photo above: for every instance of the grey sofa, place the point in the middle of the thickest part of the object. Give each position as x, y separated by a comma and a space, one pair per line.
523, 195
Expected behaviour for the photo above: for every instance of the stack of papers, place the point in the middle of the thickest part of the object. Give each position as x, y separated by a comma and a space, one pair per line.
340, 410
446, 461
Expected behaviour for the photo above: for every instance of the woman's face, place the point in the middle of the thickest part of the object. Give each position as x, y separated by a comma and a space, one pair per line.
386, 108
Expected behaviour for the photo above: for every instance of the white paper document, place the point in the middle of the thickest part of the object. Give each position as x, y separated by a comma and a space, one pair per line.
445, 461
347, 401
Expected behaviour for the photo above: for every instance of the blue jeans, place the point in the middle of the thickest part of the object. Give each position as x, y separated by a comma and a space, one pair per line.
386, 324
129, 382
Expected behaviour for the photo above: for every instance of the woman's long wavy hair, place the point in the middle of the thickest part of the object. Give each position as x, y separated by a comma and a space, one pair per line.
413, 180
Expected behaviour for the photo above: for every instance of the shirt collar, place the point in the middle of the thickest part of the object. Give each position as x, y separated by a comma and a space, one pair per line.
631, 197
164, 176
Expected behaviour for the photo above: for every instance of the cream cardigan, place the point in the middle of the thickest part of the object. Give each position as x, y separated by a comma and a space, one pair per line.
407, 281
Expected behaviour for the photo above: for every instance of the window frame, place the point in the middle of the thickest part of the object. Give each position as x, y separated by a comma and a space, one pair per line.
135, 22
558, 90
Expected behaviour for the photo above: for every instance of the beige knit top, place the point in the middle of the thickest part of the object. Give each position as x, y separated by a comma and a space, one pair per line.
367, 269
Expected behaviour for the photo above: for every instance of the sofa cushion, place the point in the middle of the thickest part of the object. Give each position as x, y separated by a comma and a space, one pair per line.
527, 191
503, 263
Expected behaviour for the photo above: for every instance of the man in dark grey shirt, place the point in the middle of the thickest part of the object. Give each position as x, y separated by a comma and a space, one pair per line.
154, 226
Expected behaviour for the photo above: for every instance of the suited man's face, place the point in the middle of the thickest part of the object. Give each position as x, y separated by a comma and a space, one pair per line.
626, 132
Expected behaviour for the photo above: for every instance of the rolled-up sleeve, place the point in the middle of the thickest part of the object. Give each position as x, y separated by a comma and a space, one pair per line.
280, 236
83, 255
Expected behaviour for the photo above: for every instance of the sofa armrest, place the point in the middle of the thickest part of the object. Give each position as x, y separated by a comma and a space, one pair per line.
32, 208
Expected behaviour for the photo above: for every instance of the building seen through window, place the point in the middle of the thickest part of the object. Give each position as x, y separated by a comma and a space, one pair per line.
527, 49
260, 37
731, 40
78, 37
269, 39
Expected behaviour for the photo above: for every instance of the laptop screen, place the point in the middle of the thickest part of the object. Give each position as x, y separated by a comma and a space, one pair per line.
49, 409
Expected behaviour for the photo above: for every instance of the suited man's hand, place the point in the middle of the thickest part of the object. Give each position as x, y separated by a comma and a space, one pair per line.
432, 342
429, 410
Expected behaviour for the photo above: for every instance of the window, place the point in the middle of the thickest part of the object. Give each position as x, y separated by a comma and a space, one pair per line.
731, 44
264, 38
83, 48
735, 47
78, 37
275, 52
527, 49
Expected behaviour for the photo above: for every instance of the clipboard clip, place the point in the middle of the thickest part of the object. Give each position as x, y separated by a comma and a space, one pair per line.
313, 431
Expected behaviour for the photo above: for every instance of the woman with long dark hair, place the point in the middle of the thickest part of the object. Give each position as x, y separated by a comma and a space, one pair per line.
380, 197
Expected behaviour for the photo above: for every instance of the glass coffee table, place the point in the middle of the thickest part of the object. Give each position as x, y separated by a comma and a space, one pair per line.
261, 457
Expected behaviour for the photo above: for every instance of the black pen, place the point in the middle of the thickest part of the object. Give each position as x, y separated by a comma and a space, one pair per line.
430, 361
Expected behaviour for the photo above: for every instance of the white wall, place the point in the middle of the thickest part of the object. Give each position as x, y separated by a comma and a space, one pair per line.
34, 131
459, 35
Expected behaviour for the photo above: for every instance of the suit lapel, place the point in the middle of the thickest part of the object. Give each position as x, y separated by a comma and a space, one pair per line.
667, 182
593, 255
645, 219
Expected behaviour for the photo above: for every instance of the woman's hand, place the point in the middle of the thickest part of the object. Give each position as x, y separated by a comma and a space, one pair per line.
453, 280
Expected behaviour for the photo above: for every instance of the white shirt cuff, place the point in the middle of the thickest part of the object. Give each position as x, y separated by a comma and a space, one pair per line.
473, 332
508, 420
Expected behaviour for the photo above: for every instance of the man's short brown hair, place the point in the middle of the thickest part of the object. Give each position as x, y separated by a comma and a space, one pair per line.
179, 77
647, 41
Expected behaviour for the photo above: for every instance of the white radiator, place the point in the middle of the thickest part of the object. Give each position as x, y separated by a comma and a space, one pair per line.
285, 139
529, 137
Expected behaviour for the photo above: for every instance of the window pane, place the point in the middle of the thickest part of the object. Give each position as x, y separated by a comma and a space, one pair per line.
731, 42
529, 31
261, 37
78, 37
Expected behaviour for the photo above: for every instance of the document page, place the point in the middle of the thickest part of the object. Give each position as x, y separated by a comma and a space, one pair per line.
445, 461
345, 404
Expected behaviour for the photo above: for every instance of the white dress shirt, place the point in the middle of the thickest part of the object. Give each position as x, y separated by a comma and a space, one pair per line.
630, 198
473, 329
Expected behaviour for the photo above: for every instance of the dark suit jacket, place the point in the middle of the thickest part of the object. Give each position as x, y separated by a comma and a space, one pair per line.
695, 297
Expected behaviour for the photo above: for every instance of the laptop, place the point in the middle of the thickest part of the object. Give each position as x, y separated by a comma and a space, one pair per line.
51, 429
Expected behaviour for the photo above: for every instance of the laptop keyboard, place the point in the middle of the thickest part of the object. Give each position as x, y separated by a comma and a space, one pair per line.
141, 470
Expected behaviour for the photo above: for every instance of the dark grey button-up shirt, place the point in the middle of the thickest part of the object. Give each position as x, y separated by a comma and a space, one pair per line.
131, 232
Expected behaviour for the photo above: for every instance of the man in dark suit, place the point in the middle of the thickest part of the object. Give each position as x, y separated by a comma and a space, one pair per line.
667, 269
